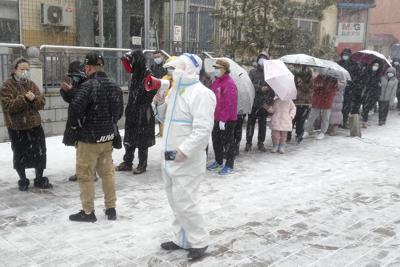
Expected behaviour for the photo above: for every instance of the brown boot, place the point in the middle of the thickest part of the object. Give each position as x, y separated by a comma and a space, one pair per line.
139, 170
261, 147
73, 178
332, 131
123, 167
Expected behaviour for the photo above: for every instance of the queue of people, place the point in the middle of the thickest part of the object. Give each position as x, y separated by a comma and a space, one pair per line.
195, 107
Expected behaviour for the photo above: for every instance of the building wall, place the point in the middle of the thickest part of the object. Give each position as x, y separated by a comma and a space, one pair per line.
384, 18
328, 24
36, 34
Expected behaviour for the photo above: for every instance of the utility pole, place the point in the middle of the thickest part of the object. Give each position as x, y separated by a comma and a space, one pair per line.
171, 26
146, 24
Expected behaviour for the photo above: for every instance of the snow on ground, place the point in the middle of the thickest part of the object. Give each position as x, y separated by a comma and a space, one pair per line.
333, 202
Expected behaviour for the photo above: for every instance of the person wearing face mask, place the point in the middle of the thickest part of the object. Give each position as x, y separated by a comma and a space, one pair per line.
371, 91
188, 113
157, 69
139, 118
225, 117
264, 96
354, 87
21, 101
389, 85
396, 65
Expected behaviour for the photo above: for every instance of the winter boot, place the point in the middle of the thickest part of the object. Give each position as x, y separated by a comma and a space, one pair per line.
247, 148
196, 253
124, 167
83, 217
261, 147
215, 166
23, 184
42, 182
282, 148
275, 148
111, 214
73, 178
364, 124
170, 246
332, 131
139, 170
299, 139
354, 125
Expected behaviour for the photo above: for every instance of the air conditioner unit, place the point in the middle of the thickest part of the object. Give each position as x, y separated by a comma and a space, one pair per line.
56, 15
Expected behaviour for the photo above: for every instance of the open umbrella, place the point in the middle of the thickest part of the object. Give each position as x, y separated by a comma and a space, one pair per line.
333, 69
369, 56
280, 79
302, 59
246, 91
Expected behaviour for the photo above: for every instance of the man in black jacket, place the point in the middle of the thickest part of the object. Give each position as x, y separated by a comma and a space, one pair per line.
263, 96
157, 69
95, 110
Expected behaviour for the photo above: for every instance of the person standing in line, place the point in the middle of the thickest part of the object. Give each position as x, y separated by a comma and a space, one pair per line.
389, 84
139, 117
95, 111
336, 117
303, 81
21, 101
283, 112
263, 96
324, 91
223, 132
188, 113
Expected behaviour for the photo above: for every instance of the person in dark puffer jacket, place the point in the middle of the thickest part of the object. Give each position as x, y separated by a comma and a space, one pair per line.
95, 110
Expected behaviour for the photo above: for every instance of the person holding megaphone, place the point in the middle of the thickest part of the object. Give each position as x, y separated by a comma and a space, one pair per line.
139, 115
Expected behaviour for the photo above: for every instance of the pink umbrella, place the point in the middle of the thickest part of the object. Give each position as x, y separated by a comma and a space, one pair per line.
280, 79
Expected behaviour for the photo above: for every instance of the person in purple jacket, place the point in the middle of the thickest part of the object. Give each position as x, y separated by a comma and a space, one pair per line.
225, 117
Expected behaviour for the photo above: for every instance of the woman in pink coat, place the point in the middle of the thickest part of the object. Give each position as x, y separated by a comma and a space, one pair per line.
283, 112
225, 117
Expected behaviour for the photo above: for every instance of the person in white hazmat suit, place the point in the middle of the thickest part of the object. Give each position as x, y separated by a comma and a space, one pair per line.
188, 116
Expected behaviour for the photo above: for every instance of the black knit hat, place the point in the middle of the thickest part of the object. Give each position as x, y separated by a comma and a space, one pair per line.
347, 51
75, 67
94, 59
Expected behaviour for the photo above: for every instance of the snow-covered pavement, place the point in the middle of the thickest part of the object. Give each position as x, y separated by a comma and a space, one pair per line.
334, 202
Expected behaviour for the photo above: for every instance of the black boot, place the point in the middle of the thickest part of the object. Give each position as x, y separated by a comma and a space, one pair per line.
196, 253
247, 148
139, 170
111, 214
83, 217
42, 182
124, 167
23, 184
170, 246
261, 147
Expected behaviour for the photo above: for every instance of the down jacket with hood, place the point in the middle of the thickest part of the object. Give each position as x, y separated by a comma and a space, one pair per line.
389, 86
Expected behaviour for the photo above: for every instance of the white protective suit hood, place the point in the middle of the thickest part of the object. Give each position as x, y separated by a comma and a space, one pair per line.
187, 69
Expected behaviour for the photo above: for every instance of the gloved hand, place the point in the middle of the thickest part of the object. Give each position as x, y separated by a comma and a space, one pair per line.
222, 126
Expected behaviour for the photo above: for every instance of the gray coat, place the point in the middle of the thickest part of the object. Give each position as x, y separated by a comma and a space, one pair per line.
388, 86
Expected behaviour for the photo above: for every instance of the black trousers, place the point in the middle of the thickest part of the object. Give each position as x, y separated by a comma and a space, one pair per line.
369, 101
224, 143
383, 111
259, 114
346, 109
238, 130
302, 112
130, 155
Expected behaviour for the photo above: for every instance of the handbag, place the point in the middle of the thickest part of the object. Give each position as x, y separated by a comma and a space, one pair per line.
117, 141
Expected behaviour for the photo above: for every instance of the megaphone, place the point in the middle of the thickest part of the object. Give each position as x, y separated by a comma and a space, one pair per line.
127, 62
151, 83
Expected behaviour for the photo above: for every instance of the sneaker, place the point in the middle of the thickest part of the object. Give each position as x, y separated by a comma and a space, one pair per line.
196, 253
42, 183
23, 184
225, 171
170, 246
124, 167
282, 149
320, 136
215, 166
261, 147
275, 148
111, 214
83, 217
139, 170
247, 148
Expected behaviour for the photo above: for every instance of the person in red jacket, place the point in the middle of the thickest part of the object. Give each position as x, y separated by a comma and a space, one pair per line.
324, 91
